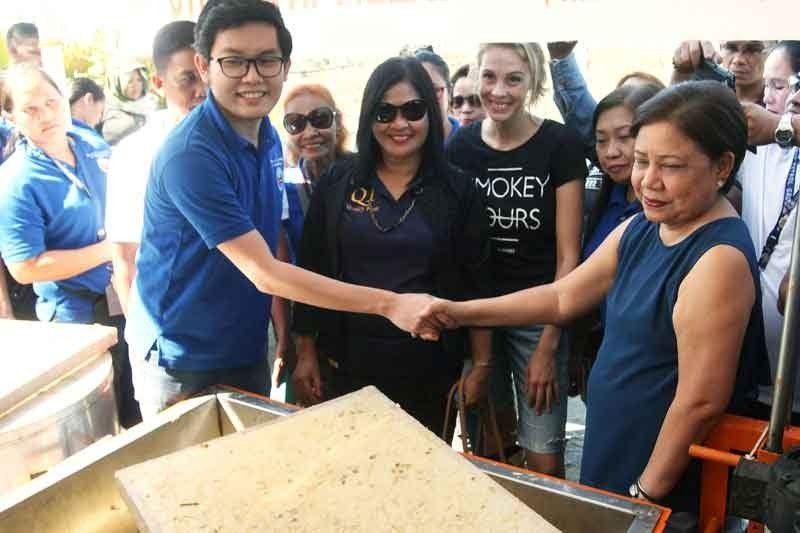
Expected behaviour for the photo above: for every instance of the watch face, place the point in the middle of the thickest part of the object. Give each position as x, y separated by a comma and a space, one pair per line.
784, 136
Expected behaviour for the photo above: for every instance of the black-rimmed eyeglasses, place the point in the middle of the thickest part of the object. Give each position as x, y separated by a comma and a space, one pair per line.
238, 67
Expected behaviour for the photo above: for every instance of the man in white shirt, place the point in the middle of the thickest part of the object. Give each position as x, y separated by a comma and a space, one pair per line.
177, 78
769, 178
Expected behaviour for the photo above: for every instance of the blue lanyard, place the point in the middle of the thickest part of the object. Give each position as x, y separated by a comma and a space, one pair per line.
74, 179
80, 185
789, 203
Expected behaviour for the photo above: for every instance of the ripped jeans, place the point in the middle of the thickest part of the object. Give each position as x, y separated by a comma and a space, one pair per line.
543, 433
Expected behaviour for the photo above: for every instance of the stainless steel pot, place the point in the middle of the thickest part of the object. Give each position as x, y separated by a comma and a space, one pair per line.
58, 421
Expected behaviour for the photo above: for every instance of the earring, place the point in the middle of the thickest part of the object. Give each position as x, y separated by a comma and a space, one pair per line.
720, 184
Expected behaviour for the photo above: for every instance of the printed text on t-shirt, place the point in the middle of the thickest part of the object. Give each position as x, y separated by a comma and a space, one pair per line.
511, 185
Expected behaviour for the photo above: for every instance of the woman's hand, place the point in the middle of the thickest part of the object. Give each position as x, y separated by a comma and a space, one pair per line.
541, 380
306, 378
476, 385
409, 313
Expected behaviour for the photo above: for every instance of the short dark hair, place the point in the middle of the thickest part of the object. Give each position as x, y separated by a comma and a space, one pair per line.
461, 72
792, 49
427, 55
387, 74
220, 15
706, 112
649, 78
25, 30
172, 38
83, 86
628, 96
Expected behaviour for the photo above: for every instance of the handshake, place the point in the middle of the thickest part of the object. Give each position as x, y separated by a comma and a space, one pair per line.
424, 316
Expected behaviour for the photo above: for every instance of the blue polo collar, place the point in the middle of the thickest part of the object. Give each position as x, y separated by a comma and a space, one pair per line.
232, 139
33, 150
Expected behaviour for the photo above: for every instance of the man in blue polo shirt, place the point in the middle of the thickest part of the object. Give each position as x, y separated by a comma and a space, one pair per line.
198, 309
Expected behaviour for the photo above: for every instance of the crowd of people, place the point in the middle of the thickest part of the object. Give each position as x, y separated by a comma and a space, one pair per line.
635, 253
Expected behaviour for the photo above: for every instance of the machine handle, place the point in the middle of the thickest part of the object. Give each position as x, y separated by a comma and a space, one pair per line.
717, 456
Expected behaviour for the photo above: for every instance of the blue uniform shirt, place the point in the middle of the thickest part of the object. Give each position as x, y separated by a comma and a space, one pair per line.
618, 210
455, 124
90, 135
6, 129
42, 209
207, 185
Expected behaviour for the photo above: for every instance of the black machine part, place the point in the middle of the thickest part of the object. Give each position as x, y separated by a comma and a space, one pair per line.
768, 494
748, 490
708, 70
782, 503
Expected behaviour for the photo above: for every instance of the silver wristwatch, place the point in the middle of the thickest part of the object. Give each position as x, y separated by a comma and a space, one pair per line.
784, 133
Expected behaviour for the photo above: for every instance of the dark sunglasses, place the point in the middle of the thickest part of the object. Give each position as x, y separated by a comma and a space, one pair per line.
321, 118
411, 110
471, 99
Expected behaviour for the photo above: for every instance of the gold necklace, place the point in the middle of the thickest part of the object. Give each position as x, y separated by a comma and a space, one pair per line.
374, 218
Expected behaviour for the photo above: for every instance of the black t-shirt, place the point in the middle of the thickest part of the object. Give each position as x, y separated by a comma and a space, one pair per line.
520, 187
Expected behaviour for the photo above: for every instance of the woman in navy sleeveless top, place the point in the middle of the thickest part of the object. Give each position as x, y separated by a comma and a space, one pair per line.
684, 339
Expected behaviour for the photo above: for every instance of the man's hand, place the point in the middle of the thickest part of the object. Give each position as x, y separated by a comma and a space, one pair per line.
277, 371
443, 314
560, 49
476, 385
284, 357
541, 381
761, 124
306, 379
690, 54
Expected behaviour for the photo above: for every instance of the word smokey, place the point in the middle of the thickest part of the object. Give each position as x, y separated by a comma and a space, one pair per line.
514, 201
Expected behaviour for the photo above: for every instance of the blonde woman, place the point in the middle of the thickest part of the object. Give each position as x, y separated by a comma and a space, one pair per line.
531, 172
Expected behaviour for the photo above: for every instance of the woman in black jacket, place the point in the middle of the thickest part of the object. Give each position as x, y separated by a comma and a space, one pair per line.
399, 218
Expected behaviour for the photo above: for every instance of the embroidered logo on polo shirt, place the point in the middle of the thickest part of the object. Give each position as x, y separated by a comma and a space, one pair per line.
277, 168
362, 200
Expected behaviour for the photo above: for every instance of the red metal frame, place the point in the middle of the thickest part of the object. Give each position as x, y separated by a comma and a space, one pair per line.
733, 437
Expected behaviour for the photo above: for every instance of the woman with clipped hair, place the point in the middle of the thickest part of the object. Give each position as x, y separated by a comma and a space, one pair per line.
531, 171
52, 217
398, 217
684, 341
